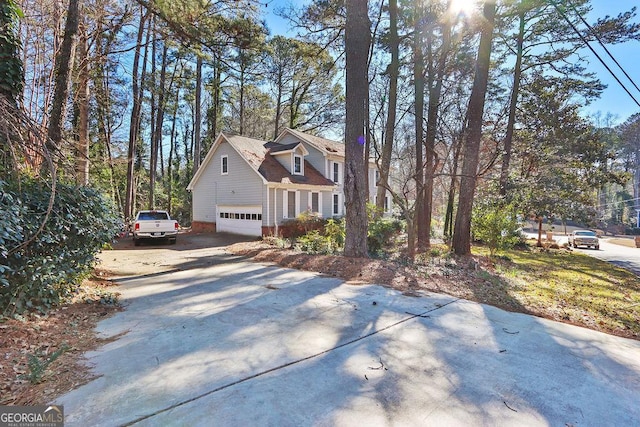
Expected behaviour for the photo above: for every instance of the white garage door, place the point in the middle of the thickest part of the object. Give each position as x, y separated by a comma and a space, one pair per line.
246, 220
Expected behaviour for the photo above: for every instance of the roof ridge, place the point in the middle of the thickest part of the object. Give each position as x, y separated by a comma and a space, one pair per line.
320, 143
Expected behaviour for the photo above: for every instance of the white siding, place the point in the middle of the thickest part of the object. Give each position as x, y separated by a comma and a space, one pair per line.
327, 200
278, 208
241, 186
373, 189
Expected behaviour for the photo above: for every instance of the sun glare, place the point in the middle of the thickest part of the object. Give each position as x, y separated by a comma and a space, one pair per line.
465, 7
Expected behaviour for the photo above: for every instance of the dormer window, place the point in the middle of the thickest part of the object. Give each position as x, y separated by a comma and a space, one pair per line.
298, 165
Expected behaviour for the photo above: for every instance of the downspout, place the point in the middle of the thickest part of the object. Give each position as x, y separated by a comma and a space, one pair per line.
275, 209
268, 207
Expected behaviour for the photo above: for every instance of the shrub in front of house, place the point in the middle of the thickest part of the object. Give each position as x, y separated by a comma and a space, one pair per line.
303, 224
382, 232
330, 238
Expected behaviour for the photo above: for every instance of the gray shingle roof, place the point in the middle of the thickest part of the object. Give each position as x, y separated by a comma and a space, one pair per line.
258, 154
322, 144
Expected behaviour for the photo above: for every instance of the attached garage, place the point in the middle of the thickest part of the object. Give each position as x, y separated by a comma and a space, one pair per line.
246, 220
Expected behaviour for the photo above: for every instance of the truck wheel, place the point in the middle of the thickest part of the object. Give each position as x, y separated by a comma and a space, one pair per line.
172, 241
136, 242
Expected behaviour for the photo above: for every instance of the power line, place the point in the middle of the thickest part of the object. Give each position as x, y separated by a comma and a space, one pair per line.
603, 45
593, 51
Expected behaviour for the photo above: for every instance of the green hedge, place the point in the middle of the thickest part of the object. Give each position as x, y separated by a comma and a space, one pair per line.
49, 267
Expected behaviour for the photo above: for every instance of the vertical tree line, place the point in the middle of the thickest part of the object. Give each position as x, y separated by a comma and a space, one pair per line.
133, 93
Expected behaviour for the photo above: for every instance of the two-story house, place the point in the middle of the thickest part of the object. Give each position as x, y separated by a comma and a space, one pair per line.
252, 187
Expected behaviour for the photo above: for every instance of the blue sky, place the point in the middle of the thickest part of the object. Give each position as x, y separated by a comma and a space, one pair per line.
614, 100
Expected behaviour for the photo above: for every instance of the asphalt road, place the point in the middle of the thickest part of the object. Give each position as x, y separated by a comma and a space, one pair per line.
622, 256
215, 340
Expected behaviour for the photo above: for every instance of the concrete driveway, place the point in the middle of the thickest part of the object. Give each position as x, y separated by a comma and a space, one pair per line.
228, 342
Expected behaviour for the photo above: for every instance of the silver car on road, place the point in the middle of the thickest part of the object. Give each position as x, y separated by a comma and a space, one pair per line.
586, 238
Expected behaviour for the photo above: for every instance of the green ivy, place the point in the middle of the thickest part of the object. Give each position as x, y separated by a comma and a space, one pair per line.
11, 70
50, 267
381, 231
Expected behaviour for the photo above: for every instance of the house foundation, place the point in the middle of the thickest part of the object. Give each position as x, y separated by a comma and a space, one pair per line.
203, 227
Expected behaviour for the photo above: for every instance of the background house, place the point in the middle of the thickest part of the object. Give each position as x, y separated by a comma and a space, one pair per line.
252, 187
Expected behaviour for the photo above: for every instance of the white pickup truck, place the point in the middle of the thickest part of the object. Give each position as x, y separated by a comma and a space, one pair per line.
154, 225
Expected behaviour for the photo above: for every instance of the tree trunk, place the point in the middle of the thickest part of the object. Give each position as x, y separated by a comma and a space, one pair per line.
153, 106
103, 105
217, 89
198, 113
241, 114
448, 217
462, 228
82, 103
539, 219
171, 150
157, 138
390, 126
418, 85
508, 139
276, 124
436, 79
357, 42
63, 67
134, 124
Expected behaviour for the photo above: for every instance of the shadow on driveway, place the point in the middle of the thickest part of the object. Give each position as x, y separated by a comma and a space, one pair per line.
240, 343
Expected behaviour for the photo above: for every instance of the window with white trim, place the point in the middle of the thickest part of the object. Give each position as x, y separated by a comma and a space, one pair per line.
314, 202
224, 165
336, 204
290, 203
298, 168
335, 172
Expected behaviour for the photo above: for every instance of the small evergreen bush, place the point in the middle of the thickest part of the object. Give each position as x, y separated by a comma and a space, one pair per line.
495, 224
381, 231
38, 268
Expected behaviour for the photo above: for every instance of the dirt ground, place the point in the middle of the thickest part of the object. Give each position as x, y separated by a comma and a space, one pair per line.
72, 326
28, 373
454, 276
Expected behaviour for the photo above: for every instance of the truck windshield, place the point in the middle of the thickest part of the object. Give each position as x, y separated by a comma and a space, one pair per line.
152, 216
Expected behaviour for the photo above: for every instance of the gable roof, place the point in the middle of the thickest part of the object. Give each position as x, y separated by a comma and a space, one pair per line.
252, 150
326, 146
258, 156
